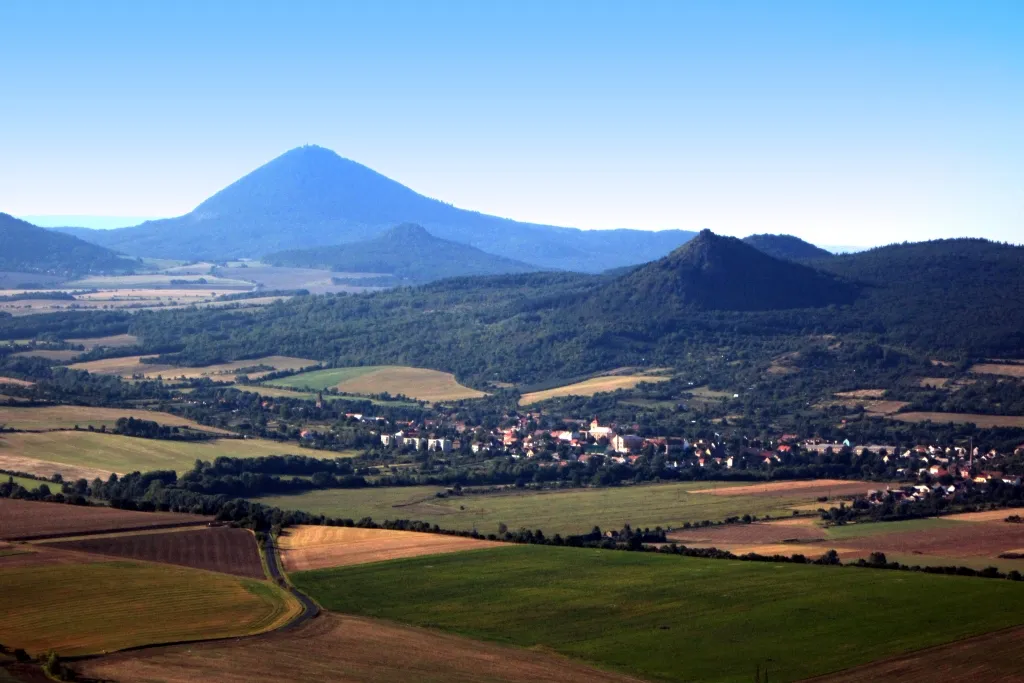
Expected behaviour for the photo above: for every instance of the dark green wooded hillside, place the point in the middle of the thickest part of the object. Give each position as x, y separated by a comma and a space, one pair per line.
712, 272
787, 247
31, 249
408, 252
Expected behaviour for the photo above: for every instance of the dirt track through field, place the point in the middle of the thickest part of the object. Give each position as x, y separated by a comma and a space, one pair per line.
991, 658
346, 650
230, 551
317, 547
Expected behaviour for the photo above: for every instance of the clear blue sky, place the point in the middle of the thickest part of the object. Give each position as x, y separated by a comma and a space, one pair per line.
843, 122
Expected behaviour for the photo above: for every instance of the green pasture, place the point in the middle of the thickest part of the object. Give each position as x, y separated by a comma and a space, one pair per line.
672, 618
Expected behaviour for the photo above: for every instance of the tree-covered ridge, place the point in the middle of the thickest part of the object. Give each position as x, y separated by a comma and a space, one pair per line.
712, 272
786, 247
407, 252
310, 197
31, 249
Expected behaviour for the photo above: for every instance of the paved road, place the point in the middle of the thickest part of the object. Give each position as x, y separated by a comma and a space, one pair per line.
310, 608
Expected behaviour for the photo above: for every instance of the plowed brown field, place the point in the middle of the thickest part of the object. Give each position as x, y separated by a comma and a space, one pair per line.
231, 551
316, 547
977, 539
22, 519
991, 658
745, 534
345, 650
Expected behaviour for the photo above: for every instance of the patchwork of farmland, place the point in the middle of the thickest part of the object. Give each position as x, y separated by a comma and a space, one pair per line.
86, 454
220, 549
567, 511
350, 649
21, 519
91, 607
673, 618
316, 547
589, 387
417, 383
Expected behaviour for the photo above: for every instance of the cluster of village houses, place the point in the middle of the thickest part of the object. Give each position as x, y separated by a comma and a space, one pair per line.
582, 442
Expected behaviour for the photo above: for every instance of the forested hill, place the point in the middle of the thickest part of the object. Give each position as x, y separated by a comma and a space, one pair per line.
30, 249
787, 247
712, 272
310, 197
408, 252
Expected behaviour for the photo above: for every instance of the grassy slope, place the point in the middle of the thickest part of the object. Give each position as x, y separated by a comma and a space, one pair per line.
29, 484
673, 618
569, 511
126, 454
318, 380
418, 383
84, 608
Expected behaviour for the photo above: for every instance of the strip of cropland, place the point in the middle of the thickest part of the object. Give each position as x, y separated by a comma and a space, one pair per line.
564, 511
417, 383
317, 547
87, 607
129, 366
43, 418
44, 453
350, 649
22, 519
672, 618
589, 387
221, 549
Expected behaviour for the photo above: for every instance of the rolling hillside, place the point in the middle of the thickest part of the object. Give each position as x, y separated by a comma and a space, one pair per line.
407, 252
311, 197
787, 247
30, 249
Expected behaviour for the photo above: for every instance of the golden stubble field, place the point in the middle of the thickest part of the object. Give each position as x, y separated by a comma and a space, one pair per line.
129, 366
317, 547
589, 387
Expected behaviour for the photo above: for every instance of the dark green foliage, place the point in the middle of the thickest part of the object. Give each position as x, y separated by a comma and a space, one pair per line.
712, 272
786, 247
311, 197
407, 252
31, 249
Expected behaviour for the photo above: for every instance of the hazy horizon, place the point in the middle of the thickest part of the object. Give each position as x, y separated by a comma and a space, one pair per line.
857, 125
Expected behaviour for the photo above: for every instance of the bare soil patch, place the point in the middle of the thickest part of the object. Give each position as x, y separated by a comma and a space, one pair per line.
980, 539
15, 382
1004, 369
992, 658
934, 382
219, 549
133, 365
317, 547
66, 417
346, 650
21, 519
963, 418
813, 487
984, 516
862, 393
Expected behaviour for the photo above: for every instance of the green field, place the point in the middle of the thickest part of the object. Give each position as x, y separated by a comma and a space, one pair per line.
673, 618
879, 528
566, 511
28, 483
318, 380
91, 607
274, 391
113, 453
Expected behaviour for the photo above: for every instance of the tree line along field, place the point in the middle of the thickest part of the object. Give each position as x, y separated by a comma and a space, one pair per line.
46, 418
71, 452
567, 511
80, 608
671, 618
417, 383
